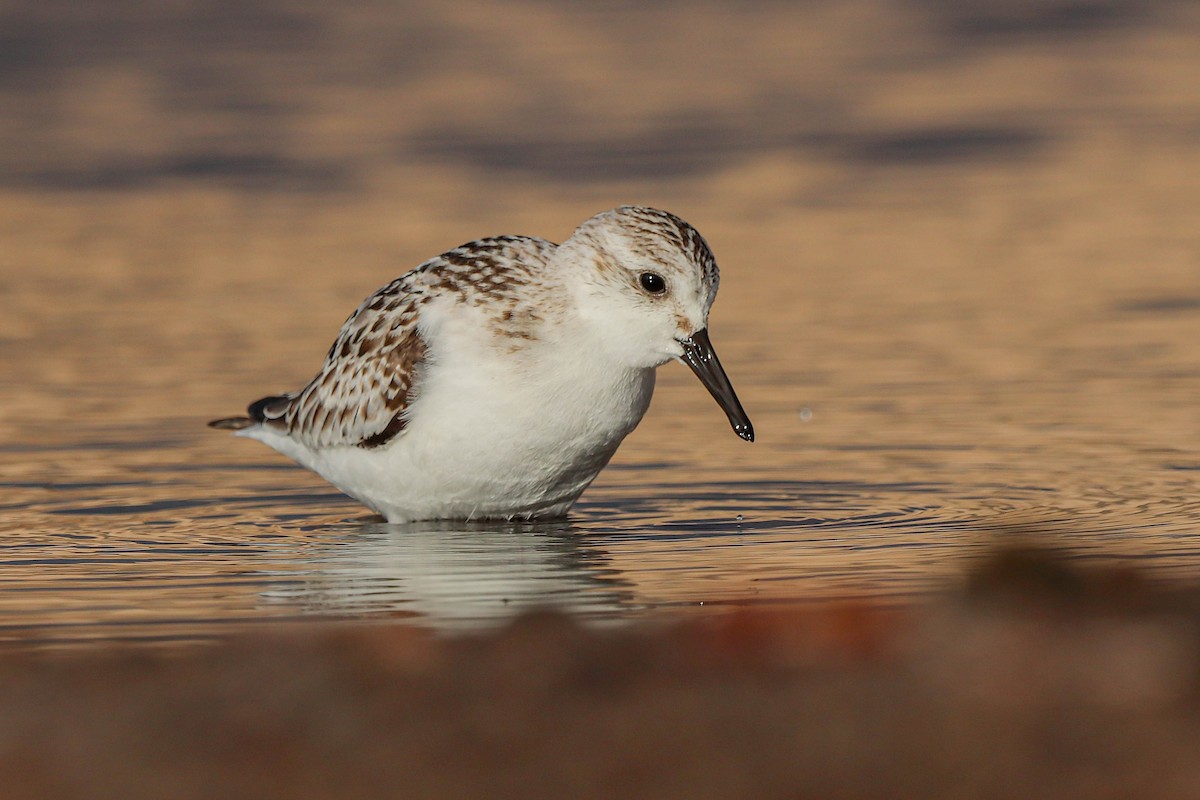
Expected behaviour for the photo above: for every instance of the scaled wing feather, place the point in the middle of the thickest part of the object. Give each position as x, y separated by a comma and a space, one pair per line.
367, 381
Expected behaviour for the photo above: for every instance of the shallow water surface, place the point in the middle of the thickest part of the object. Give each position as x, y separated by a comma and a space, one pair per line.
904, 425
899, 435
167, 531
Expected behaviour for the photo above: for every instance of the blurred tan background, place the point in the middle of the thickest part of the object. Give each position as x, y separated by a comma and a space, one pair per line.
960, 299
937, 221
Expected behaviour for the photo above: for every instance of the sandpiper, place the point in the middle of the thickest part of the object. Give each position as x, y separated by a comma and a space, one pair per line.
496, 380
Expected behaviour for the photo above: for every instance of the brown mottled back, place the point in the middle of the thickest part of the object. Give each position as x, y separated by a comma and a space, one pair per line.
373, 370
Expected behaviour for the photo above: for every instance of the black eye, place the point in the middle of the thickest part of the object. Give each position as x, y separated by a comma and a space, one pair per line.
652, 282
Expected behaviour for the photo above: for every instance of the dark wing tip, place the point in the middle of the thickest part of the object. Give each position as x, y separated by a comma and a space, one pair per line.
265, 410
393, 429
269, 408
231, 423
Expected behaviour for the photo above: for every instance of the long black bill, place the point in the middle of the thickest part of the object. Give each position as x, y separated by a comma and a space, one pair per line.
698, 354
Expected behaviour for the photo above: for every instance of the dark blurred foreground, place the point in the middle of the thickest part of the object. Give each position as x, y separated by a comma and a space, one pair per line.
1038, 681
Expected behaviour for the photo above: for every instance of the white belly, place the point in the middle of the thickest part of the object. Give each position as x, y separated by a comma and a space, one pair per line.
490, 444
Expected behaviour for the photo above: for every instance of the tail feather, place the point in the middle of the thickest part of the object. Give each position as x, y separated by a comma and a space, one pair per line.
231, 423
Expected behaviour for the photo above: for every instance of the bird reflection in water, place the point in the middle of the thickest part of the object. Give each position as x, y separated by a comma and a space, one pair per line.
455, 575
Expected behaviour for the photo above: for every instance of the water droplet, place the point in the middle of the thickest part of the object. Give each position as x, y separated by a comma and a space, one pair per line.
805, 414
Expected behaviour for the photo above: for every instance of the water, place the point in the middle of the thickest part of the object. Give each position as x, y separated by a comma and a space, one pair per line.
165, 531
959, 299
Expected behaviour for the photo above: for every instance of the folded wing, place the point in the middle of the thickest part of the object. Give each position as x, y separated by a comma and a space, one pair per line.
366, 384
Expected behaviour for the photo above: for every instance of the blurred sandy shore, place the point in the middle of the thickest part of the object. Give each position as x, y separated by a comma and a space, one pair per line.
1040, 682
